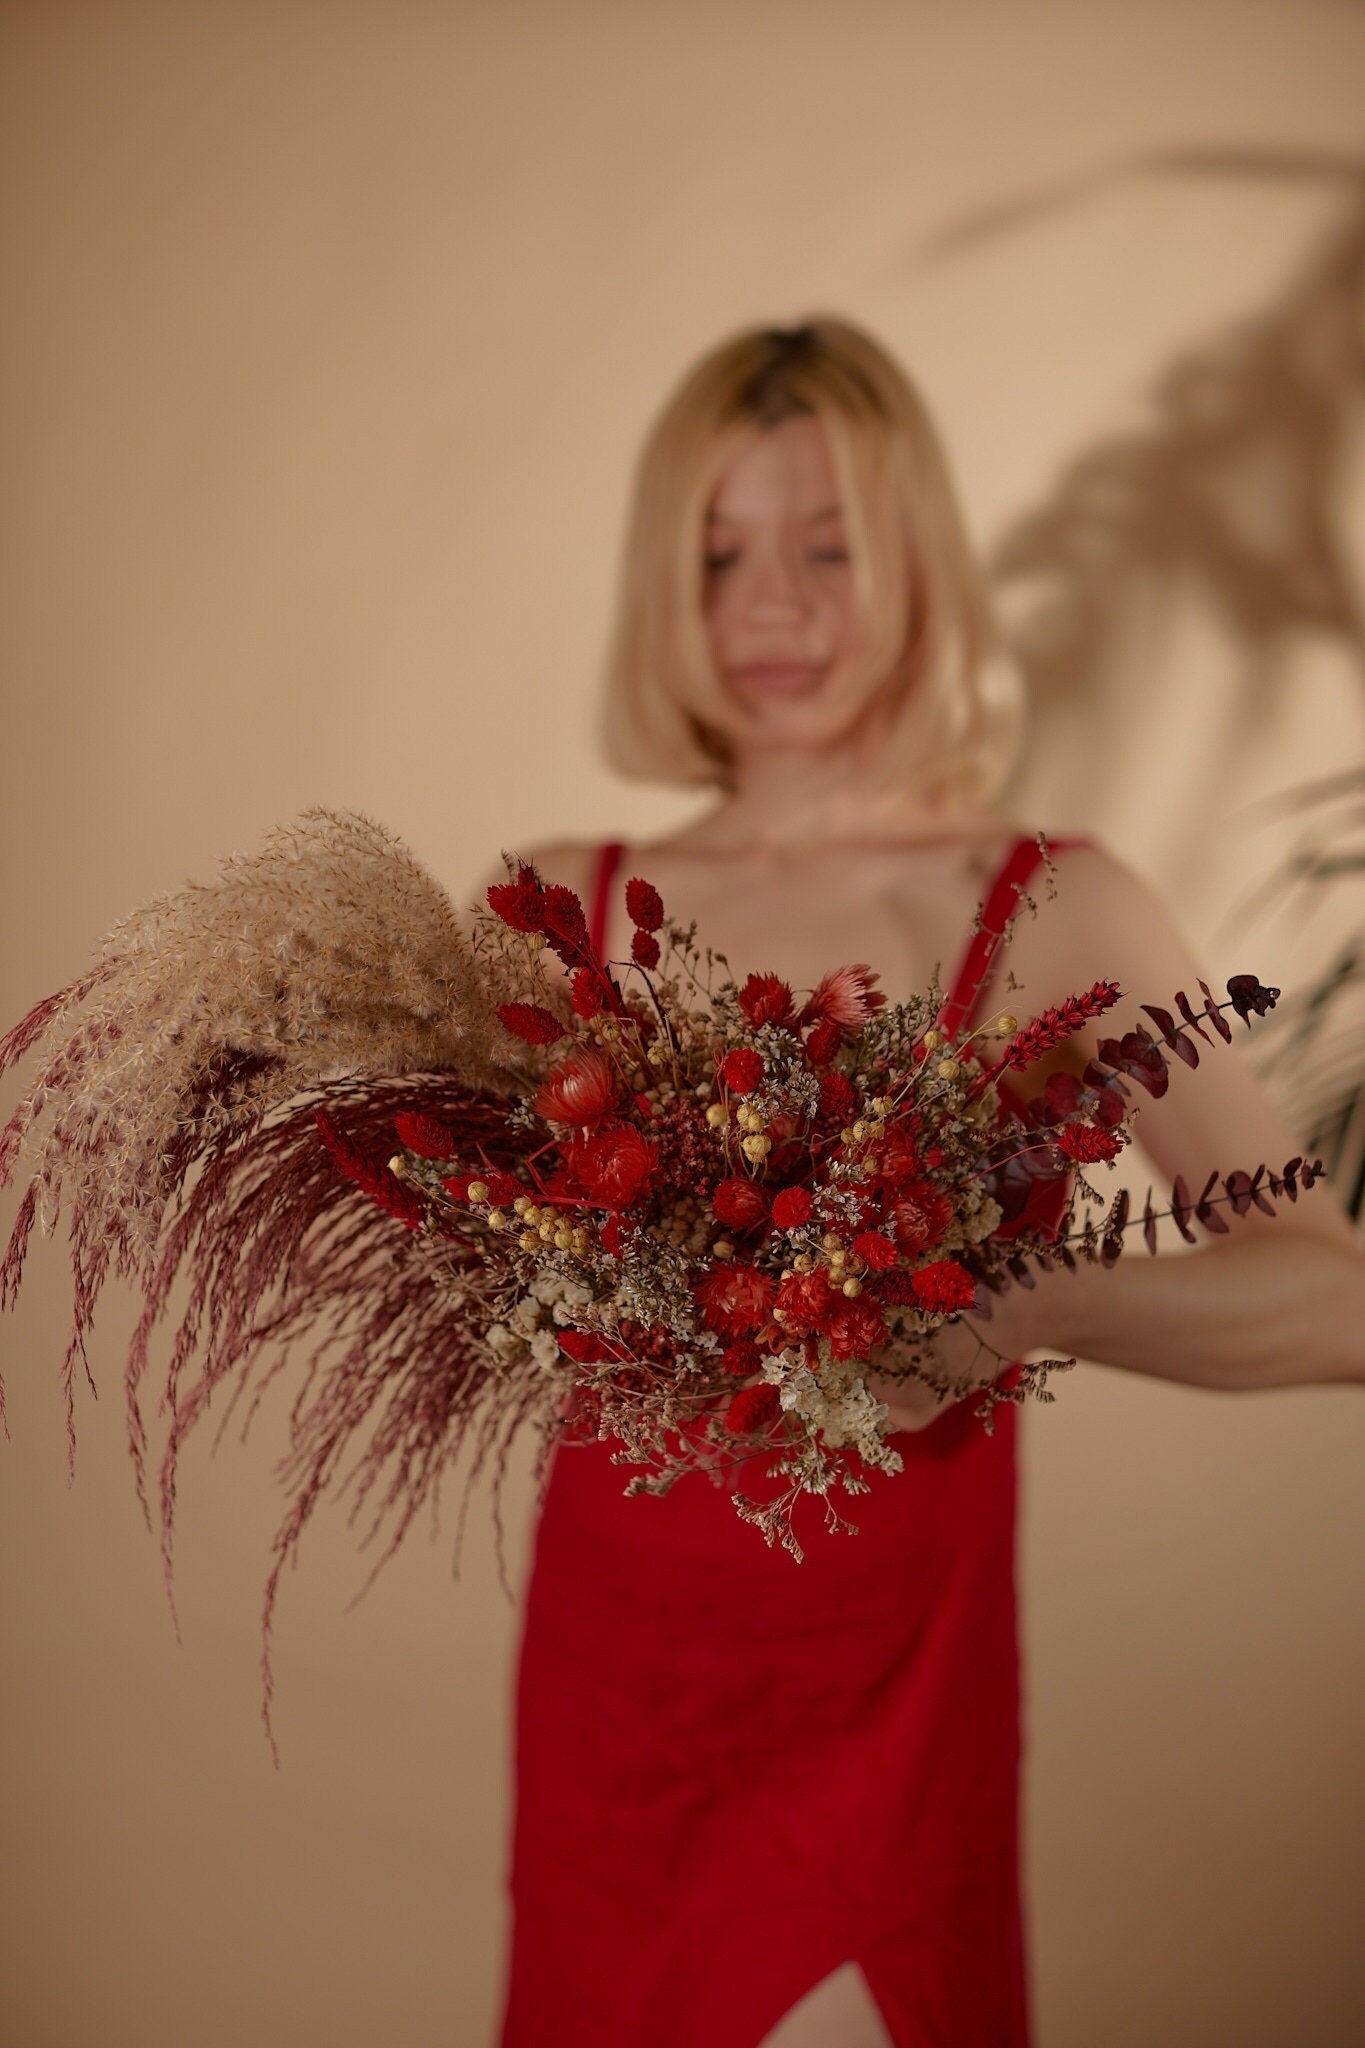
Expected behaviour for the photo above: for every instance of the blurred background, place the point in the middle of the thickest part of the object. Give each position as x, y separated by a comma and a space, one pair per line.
330, 335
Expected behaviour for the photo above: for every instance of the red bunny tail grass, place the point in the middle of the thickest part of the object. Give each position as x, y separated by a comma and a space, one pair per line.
1055, 1026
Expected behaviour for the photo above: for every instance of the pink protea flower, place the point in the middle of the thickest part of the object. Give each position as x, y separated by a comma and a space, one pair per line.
580, 1090
846, 997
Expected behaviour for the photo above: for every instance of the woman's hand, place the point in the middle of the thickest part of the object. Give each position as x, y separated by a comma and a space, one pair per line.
968, 1353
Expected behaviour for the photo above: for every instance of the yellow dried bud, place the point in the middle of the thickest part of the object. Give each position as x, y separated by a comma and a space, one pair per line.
398, 1166
756, 1146
547, 1231
853, 1264
949, 1069
564, 1238
521, 1205
830, 1243
658, 1055
529, 1241
846, 1135
1006, 1025
933, 1038
882, 1104
803, 1262
853, 1287
477, 1191
717, 1115
837, 1258
496, 1219
722, 1248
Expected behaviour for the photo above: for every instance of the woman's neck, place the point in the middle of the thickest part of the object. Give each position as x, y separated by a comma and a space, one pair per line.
783, 801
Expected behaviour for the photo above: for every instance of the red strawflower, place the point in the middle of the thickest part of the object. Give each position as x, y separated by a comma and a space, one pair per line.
943, 1288
742, 1070
644, 949
897, 1159
766, 999
425, 1135
740, 1359
791, 1207
807, 1301
580, 1090
588, 992
876, 1252
846, 997
919, 1216
531, 1022
1085, 1144
735, 1298
838, 1096
644, 904
739, 1204
753, 1409
824, 1042
855, 1327
613, 1168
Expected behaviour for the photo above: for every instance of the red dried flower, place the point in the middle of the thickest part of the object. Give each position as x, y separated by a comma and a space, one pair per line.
735, 1298
807, 1301
742, 1070
740, 1359
943, 1288
613, 1169
823, 1043
563, 914
1058, 1024
753, 1409
644, 904
876, 1252
531, 1022
590, 1347
425, 1135
856, 1327
580, 1090
766, 999
838, 1096
791, 1207
846, 997
588, 992
372, 1176
739, 1204
1085, 1144
897, 1158
613, 1236
644, 949
919, 1216
520, 904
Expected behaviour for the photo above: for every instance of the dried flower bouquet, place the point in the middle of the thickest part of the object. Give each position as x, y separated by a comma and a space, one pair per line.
482, 1177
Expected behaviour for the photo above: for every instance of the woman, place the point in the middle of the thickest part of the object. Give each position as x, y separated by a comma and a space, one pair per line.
768, 1802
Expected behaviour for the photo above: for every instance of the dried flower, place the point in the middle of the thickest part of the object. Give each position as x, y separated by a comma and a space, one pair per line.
580, 1090
791, 1207
531, 1021
644, 905
742, 1070
766, 999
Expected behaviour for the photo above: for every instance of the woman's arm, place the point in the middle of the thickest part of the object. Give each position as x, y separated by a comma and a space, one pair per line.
1278, 1301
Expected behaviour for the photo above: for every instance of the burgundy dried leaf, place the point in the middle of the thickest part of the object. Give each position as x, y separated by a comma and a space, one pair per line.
1149, 1223
1238, 1185
1182, 1003
1215, 1015
1180, 1208
1205, 1211
1256, 1194
1250, 997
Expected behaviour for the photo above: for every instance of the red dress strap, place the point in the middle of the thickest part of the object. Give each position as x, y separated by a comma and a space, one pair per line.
608, 860
1017, 869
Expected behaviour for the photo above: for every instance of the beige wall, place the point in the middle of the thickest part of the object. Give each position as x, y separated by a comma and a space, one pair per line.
331, 331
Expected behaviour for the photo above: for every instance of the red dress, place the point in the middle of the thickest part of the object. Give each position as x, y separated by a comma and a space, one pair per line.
735, 1772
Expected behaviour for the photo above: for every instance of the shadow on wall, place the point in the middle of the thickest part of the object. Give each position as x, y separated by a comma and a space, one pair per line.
1166, 598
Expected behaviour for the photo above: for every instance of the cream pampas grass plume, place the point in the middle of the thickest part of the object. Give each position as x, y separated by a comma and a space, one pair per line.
174, 1120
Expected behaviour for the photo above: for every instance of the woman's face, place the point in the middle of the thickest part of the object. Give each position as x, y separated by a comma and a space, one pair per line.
783, 623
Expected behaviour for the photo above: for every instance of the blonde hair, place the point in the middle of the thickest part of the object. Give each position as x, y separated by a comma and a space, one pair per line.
955, 701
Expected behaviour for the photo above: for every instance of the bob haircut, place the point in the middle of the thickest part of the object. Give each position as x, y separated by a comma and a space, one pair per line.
955, 700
